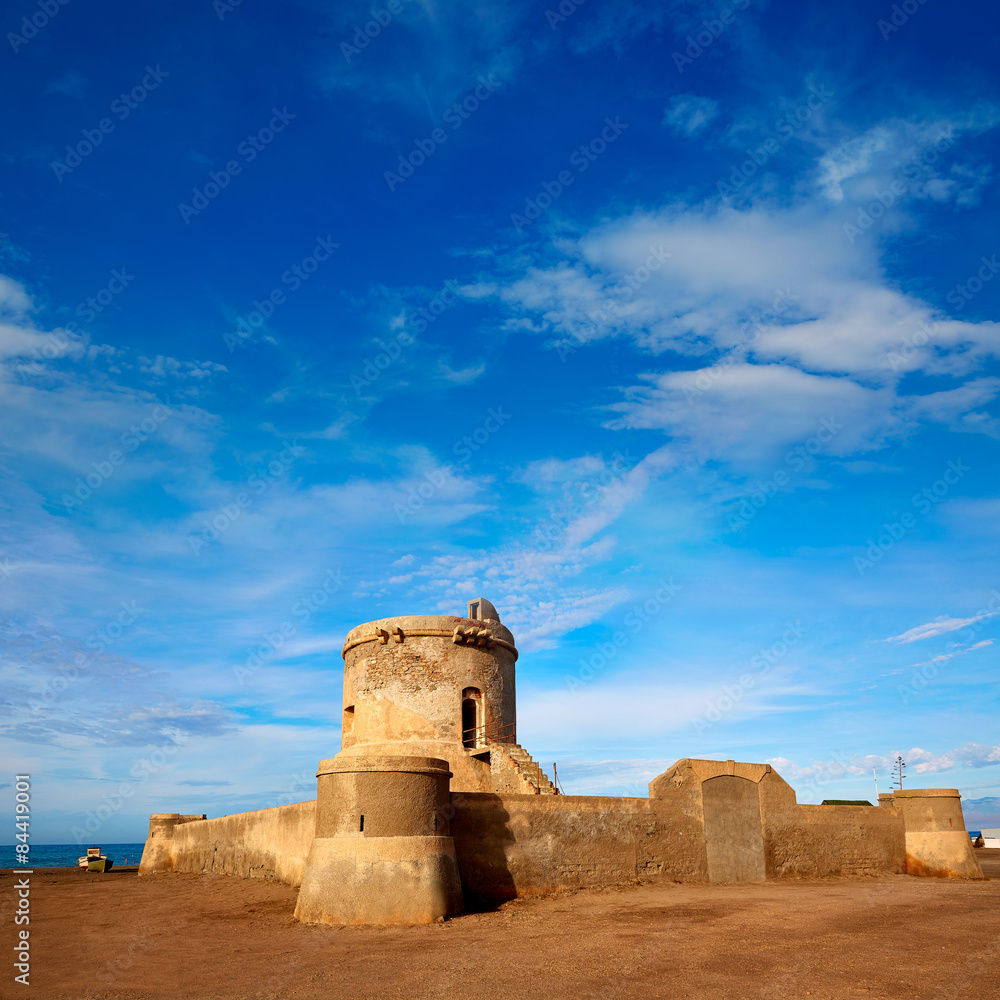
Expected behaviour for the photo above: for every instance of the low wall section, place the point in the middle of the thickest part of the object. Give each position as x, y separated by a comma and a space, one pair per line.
266, 843
517, 845
705, 821
807, 841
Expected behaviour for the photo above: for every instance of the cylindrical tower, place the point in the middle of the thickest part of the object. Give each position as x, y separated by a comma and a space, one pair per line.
383, 851
937, 842
431, 686
424, 695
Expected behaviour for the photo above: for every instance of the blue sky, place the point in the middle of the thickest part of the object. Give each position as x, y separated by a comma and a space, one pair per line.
669, 328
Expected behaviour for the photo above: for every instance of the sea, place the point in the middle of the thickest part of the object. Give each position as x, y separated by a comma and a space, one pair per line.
67, 855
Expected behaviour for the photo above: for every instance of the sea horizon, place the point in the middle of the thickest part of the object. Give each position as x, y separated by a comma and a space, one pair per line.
67, 855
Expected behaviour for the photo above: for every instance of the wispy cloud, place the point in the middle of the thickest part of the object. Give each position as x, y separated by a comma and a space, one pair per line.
689, 114
941, 625
918, 761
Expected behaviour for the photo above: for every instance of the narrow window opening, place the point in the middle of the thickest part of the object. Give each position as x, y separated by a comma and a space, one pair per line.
348, 723
362, 822
472, 735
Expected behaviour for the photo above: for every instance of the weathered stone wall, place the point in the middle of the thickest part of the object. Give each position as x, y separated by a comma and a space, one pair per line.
705, 821
266, 843
808, 841
747, 826
517, 845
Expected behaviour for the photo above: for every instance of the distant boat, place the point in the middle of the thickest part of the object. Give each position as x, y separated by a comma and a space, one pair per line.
95, 861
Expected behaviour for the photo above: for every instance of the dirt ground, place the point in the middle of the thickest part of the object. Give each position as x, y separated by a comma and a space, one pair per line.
210, 936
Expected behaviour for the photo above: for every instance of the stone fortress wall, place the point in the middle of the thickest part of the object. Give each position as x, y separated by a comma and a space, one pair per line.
431, 804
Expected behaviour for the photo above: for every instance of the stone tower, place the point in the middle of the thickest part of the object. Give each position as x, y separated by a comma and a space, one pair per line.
432, 686
429, 708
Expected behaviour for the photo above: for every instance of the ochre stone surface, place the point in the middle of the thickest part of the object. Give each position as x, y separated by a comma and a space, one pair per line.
266, 843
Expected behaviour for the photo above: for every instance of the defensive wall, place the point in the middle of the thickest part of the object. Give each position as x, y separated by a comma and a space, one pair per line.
431, 805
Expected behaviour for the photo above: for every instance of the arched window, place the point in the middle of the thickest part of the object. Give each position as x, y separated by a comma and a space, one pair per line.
472, 721
348, 724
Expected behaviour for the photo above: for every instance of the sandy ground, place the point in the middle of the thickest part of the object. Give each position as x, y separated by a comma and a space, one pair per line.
207, 936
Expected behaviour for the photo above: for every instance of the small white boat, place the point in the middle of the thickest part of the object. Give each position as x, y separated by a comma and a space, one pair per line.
95, 861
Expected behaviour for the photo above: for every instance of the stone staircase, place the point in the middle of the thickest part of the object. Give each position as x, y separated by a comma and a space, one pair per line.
515, 755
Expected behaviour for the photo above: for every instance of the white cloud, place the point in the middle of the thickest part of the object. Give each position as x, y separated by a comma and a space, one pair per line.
461, 376
918, 761
752, 413
798, 323
943, 657
775, 284
913, 152
941, 625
